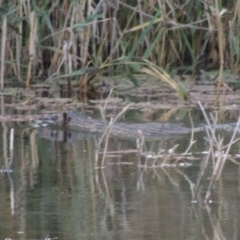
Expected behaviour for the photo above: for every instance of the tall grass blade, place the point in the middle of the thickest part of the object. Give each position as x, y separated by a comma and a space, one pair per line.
144, 33
3, 50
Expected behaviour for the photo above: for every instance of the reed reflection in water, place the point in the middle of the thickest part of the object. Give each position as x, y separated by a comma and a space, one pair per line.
52, 186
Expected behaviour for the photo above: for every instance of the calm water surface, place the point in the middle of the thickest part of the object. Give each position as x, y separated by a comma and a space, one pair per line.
55, 189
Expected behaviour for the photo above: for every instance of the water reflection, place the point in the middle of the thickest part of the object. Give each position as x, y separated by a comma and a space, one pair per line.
54, 188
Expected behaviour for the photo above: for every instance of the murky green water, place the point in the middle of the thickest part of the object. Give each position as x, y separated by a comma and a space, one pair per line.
54, 187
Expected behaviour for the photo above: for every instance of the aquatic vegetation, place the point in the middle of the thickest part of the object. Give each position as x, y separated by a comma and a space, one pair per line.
81, 39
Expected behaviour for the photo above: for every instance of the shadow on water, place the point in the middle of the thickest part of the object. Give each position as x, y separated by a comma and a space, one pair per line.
53, 187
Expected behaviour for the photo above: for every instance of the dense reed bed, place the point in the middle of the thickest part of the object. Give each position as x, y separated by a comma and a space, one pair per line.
48, 39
